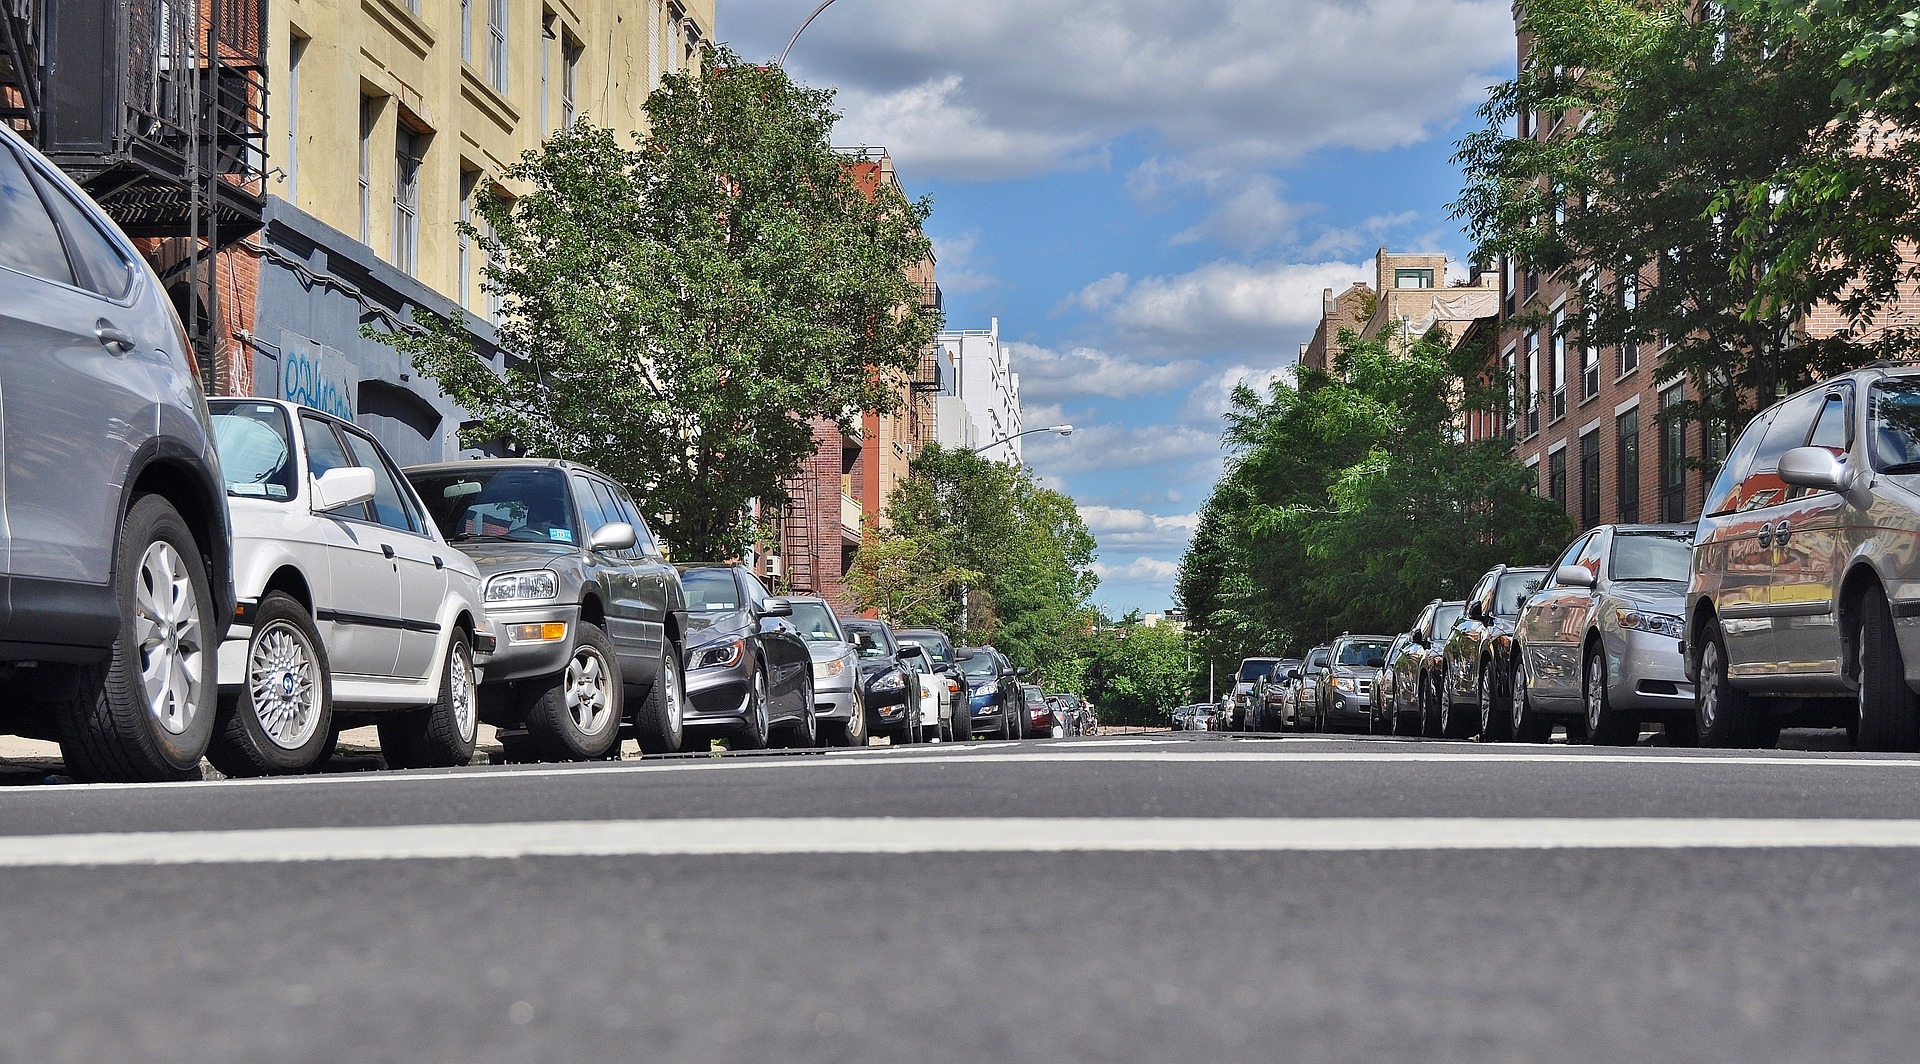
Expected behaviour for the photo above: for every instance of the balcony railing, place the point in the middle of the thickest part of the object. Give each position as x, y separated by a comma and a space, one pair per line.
851, 515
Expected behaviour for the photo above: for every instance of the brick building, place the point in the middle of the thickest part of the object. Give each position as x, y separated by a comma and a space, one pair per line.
1410, 294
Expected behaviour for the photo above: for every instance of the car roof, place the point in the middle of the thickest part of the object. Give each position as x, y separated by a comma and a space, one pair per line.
505, 463
284, 404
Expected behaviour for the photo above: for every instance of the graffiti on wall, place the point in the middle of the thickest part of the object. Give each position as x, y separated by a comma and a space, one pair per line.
306, 378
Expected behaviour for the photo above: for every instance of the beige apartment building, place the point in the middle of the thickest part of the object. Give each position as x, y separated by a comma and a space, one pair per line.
1410, 295
388, 119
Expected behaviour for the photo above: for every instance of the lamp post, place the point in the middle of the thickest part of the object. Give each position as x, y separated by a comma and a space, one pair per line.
1064, 430
782, 61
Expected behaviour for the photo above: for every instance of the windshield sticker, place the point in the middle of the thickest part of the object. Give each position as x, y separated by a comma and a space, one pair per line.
564, 535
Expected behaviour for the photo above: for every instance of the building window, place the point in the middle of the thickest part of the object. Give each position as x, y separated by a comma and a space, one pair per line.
1590, 372
296, 50
1513, 392
369, 115
496, 302
1590, 479
497, 44
408, 149
1413, 278
1627, 458
1629, 302
1673, 456
569, 81
466, 31
469, 181
547, 20
1557, 477
1530, 401
1558, 367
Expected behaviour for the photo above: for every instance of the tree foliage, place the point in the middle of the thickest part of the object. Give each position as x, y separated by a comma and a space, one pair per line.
1670, 129
1030, 553
909, 581
1349, 502
677, 310
1138, 672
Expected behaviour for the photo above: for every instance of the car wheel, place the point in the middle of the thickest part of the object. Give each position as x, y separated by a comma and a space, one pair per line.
853, 730
282, 720
1496, 724
659, 722
1606, 726
803, 734
442, 735
1528, 726
1724, 716
753, 733
1885, 717
1453, 723
148, 712
576, 715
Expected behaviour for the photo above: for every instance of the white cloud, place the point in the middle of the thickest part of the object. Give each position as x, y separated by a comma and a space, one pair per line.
1363, 237
1109, 447
1085, 371
1249, 216
958, 269
1211, 398
1141, 570
1228, 306
1123, 529
1099, 294
1001, 88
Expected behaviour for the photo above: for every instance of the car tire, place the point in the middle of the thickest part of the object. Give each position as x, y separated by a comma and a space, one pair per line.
1885, 707
753, 733
659, 721
1724, 716
575, 715
1453, 723
803, 734
1429, 711
853, 730
112, 727
1606, 726
1528, 725
442, 734
1496, 722
281, 722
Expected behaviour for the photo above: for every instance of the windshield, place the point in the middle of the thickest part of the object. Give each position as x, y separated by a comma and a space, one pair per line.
515, 503
1316, 658
1443, 618
256, 456
1035, 697
1358, 651
1513, 592
816, 622
1895, 411
1652, 556
711, 591
868, 640
978, 667
1254, 668
939, 649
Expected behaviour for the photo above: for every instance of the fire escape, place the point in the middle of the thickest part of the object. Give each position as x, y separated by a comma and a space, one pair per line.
158, 109
927, 380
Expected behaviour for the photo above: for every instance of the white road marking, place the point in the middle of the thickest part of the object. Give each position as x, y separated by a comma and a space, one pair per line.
658, 838
1164, 753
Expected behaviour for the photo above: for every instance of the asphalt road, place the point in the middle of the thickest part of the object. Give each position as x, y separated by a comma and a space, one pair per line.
1171, 898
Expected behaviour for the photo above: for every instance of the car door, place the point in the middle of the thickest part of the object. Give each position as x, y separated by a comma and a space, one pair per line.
790, 664
654, 582
362, 600
1463, 645
619, 583
1810, 547
78, 396
1551, 625
419, 560
1405, 682
1753, 647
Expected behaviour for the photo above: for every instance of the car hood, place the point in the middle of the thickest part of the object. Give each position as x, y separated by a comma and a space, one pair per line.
1352, 672
499, 556
1670, 599
704, 628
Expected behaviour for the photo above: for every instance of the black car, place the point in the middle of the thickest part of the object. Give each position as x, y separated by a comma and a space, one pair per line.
1479, 655
994, 701
749, 671
1270, 708
891, 683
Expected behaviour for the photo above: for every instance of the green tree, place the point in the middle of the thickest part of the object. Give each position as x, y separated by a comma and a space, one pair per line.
676, 311
1348, 502
908, 581
1138, 672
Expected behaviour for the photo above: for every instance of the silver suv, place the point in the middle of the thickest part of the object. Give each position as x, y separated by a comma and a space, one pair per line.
114, 548
1803, 606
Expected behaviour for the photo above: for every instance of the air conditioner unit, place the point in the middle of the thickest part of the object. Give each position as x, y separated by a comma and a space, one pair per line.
774, 566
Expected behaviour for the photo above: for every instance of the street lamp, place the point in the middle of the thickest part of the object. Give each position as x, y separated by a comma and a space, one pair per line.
1064, 430
782, 61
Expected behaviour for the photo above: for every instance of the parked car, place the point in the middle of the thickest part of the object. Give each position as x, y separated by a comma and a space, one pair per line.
749, 670
892, 686
940, 657
1601, 641
839, 701
1184, 717
1244, 699
1421, 673
1270, 708
1069, 711
1344, 686
1303, 695
1479, 654
1382, 700
1040, 719
1802, 597
991, 692
591, 619
350, 602
116, 548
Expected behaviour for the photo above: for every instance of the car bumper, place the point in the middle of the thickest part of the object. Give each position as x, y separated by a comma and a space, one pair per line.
1349, 709
517, 658
833, 704
719, 695
1649, 673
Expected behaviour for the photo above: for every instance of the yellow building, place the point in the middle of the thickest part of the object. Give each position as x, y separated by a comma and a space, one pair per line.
387, 119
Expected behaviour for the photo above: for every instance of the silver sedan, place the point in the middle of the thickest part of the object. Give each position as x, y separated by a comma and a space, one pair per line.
1601, 642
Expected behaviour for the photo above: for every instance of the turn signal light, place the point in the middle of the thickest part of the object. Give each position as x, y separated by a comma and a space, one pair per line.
550, 632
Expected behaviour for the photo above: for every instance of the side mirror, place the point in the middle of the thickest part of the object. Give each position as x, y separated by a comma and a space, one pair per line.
1293, 674
1816, 468
342, 486
614, 535
1021, 672
963, 655
776, 607
1573, 576
907, 650
1475, 613
1376, 661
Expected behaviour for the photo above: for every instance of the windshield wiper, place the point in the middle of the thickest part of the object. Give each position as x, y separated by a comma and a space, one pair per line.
1902, 467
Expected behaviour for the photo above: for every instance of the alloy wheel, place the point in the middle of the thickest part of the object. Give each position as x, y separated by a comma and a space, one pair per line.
463, 688
589, 691
283, 683
1710, 681
167, 629
1595, 690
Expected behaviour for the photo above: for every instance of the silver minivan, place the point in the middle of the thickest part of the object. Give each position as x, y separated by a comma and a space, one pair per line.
1803, 606
115, 553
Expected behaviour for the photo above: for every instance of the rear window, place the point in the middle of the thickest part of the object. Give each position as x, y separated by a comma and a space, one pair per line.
1254, 668
710, 590
1513, 592
28, 241
1652, 556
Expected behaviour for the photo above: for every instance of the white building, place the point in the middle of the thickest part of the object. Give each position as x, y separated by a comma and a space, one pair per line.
982, 403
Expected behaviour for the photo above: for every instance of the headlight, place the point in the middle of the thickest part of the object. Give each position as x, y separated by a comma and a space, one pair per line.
893, 680
536, 585
721, 655
827, 670
1657, 623
1346, 683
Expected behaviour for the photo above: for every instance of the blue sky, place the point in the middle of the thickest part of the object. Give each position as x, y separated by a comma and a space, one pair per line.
1150, 195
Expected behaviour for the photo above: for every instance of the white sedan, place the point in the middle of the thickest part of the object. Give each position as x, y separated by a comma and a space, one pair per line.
349, 601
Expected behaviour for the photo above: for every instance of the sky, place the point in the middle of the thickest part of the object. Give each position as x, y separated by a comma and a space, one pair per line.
1150, 195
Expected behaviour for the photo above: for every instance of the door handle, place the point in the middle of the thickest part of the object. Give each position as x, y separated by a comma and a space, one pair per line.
113, 338
1780, 534
386, 549
1766, 534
